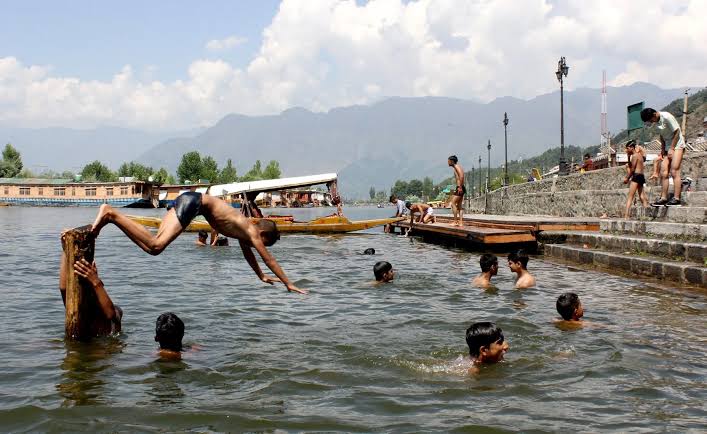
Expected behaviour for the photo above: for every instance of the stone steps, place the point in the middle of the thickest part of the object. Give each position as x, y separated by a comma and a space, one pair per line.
647, 266
695, 252
675, 214
667, 230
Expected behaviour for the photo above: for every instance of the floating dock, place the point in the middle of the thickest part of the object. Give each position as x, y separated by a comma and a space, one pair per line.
496, 232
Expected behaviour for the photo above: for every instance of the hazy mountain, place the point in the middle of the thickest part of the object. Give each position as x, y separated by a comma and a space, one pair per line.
406, 137
61, 149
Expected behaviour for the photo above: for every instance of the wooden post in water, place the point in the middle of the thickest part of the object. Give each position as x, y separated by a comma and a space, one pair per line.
81, 305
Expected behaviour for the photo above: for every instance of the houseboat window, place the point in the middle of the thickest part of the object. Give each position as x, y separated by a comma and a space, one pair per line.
123, 191
90, 191
59, 191
109, 191
133, 189
73, 191
40, 190
138, 189
7, 191
24, 191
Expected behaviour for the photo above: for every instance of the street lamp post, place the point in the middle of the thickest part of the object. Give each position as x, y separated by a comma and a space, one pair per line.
472, 181
505, 136
481, 189
488, 177
562, 70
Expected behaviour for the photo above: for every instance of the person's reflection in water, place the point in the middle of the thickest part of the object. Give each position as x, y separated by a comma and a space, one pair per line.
165, 387
83, 381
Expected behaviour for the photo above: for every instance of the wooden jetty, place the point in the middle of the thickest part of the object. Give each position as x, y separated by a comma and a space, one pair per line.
496, 231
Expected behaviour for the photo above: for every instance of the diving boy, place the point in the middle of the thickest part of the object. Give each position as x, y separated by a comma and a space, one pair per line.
383, 272
486, 344
518, 263
635, 176
489, 268
221, 216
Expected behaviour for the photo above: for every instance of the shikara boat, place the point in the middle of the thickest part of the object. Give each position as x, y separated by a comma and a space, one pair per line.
246, 192
322, 225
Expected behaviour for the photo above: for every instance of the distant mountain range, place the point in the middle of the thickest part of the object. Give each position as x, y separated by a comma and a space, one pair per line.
373, 145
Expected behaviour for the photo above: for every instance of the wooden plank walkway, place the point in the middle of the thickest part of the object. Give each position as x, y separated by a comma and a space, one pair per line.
497, 230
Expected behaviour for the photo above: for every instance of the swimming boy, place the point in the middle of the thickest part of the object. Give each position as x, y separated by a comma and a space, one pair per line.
459, 192
489, 268
383, 272
109, 317
169, 331
569, 307
486, 344
221, 216
518, 263
201, 238
668, 130
635, 176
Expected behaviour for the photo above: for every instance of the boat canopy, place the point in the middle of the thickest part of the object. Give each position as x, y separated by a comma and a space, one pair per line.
268, 185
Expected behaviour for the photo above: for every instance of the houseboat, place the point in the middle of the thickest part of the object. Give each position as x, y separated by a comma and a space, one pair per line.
67, 192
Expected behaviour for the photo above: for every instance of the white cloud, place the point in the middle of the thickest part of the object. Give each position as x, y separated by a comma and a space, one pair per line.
328, 53
225, 44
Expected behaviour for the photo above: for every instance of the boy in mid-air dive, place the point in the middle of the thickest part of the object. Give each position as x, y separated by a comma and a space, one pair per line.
486, 344
489, 268
221, 216
635, 176
518, 263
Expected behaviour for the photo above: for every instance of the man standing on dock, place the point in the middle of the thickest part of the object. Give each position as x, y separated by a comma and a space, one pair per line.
459, 192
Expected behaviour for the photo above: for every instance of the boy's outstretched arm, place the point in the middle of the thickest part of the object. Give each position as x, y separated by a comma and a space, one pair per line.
62, 277
90, 272
270, 262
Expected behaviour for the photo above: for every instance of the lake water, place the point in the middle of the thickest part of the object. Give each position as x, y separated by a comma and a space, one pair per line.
347, 357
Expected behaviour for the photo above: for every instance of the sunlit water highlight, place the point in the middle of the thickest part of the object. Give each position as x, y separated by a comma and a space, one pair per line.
350, 356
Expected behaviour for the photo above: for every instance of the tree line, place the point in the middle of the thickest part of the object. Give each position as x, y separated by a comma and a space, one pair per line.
193, 168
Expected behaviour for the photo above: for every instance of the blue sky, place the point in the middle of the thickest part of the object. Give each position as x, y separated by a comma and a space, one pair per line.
92, 40
182, 64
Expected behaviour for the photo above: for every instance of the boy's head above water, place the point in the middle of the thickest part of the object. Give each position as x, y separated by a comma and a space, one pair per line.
369, 251
486, 342
489, 262
569, 307
518, 261
169, 332
383, 271
202, 235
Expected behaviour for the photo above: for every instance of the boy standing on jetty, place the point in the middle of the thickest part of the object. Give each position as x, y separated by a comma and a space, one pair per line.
518, 263
635, 176
459, 192
221, 216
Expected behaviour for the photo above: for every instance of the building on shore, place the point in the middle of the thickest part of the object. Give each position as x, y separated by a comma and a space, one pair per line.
66, 192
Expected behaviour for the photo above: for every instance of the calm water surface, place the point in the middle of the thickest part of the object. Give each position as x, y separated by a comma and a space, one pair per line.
347, 357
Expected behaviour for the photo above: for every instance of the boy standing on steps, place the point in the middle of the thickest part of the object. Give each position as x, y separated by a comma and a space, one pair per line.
635, 176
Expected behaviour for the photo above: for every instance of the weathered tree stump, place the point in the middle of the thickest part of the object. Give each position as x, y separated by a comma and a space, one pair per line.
81, 303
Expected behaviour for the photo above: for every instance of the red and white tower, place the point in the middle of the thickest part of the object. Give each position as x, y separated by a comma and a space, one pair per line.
604, 129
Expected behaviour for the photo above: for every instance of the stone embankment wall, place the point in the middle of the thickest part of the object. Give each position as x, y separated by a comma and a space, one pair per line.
590, 194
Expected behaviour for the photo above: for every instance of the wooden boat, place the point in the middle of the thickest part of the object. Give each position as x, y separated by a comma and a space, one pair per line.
285, 224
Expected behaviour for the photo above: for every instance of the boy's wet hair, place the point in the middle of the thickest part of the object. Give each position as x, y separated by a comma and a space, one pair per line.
453, 159
380, 269
169, 331
369, 251
392, 198
202, 234
647, 114
587, 156
482, 334
631, 144
566, 304
519, 256
408, 204
487, 261
268, 231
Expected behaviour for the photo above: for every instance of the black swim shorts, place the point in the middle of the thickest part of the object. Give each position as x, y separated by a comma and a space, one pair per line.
187, 206
638, 178
460, 191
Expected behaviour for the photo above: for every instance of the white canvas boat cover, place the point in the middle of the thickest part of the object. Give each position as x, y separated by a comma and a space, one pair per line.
271, 184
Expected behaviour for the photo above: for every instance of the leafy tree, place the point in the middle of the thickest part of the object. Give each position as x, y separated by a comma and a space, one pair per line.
170, 179
190, 167
427, 187
11, 163
415, 187
67, 174
400, 188
26, 173
136, 170
228, 173
272, 170
381, 196
161, 176
97, 171
372, 193
255, 173
209, 169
